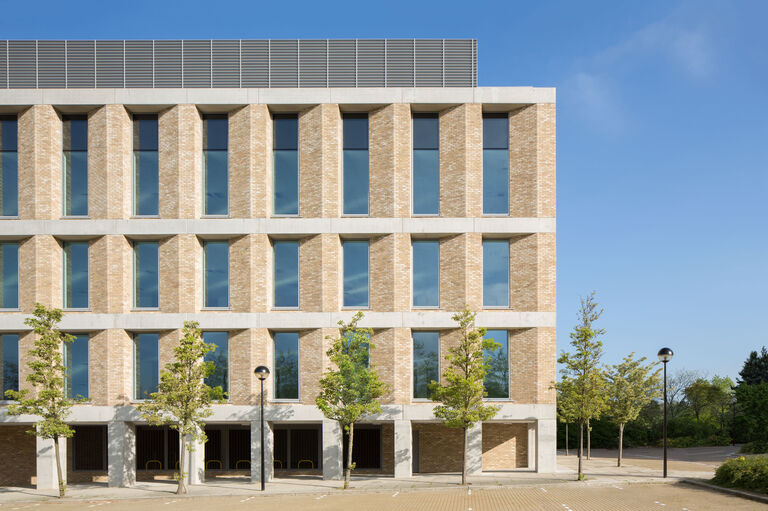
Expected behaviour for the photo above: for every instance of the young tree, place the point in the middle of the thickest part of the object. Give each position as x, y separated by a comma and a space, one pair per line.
49, 400
183, 399
461, 398
352, 390
630, 385
565, 414
722, 399
582, 381
699, 395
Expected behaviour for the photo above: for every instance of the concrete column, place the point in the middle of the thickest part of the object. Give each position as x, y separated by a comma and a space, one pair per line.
196, 463
47, 475
269, 455
403, 449
333, 467
546, 457
532, 445
121, 458
475, 449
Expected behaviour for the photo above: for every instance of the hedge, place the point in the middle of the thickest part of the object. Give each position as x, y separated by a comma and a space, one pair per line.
747, 473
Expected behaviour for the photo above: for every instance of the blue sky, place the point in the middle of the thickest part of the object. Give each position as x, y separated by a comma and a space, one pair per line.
662, 139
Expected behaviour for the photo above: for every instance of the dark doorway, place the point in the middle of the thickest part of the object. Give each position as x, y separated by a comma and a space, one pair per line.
415, 451
228, 447
157, 448
89, 448
297, 447
366, 448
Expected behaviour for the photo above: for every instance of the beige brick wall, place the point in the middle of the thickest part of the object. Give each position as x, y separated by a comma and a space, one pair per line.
180, 162
505, 446
110, 364
110, 162
181, 273
440, 448
311, 359
461, 271
17, 450
461, 160
250, 273
248, 349
390, 283
532, 365
110, 256
390, 146
250, 162
320, 161
40, 272
403, 366
319, 273
40, 158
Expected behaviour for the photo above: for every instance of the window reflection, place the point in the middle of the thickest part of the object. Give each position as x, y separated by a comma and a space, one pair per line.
9, 171
75, 355
286, 365
145, 365
426, 362
355, 164
145, 274
426, 164
145, 165
286, 273
75, 165
76, 275
220, 359
216, 273
355, 273
215, 156
9, 275
497, 378
495, 164
426, 273
496, 273
286, 164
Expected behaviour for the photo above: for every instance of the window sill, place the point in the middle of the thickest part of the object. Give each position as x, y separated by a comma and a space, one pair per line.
297, 401
216, 216
286, 216
355, 308
227, 308
139, 217
355, 215
76, 309
10, 309
286, 308
496, 215
497, 307
425, 215
145, 309
499, 399
75, 217
9, 217
426, 307
421, 400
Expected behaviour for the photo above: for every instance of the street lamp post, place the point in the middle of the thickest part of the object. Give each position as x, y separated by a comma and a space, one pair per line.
665, 355
262, 372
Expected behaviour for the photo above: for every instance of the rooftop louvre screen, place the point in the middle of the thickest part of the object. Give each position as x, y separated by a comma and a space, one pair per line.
237, 63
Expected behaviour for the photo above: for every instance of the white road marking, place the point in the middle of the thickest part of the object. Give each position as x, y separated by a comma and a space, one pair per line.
395, 494
469, 492
320, 497
618, 487
544, 490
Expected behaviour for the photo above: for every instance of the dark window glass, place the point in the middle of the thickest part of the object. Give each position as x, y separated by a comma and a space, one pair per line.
75, 163
76, 275
286, 274
216, 274
9, 275
356, 164
355, 273
286, 164
75, 356
497, 377
287, 365
495, 164
145, 364
496, 273
145, 274
426, 273
9, 167
426, 164
426, 362
220, 359
10, 355
146, 171
215, 156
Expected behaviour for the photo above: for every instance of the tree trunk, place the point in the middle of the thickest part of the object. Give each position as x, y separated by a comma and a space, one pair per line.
182, 488
621, 442
464, 459
62, 484
348, 472
566, 439
581, 446
589, 441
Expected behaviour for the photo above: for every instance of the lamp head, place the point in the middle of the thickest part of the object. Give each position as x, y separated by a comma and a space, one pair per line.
665, 355
262, 372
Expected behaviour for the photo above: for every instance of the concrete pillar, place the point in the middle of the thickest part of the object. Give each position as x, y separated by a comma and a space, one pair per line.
475, 449
121, 457
196, 463
546, 457
256, 452
47, 475
333, 467
403, 449
532, 445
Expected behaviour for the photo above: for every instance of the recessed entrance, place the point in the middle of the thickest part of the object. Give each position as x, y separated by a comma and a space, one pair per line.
297, 448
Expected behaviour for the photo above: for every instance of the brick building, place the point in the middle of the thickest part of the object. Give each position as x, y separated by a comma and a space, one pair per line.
267, 189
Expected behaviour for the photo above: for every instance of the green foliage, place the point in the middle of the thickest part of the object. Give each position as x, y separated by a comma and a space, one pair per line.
352, 390
746, 473
183, 400
49, 400
753, 404
755, 370
756, 447
631, 386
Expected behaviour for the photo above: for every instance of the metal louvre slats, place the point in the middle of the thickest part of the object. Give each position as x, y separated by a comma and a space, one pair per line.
284, 63
225, 66
313, 63
197, 63
399, 63
22, 59
428, 63
168, 64
110, 64
139, 64
81, 67
51, 65
239, 63
342, 60
371, 63
254, 62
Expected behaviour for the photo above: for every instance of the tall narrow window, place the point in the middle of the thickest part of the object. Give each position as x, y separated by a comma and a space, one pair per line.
10, 353
287, 365
286, 273
495, 164
145, 365
426, 362
355, 273
426, 273
220, 359
75, 275
75, 164
9, 167
216, 273
9, 275
356, 164
145, 274
146, 171
215, 155
426, 164
75, 356
286, 164
496, 273
497, 378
